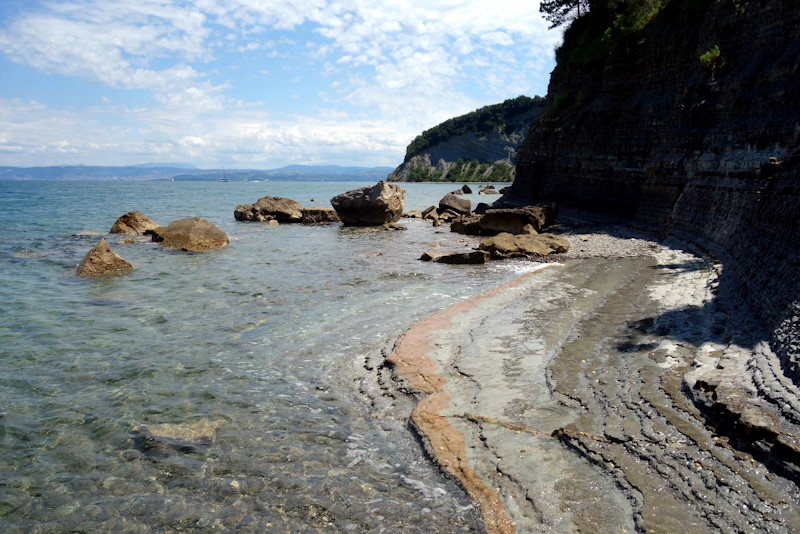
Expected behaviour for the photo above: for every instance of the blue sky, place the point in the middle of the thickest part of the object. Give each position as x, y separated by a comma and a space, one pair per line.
254, 83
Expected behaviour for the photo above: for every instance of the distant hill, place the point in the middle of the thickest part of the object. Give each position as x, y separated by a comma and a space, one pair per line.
150, 171
166, 165
478, 146
88, 172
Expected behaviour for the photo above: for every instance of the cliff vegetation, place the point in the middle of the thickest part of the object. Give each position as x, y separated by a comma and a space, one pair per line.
478, 146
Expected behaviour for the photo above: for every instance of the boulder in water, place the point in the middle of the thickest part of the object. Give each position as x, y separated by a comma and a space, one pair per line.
460, 206
270, 209
473, 257
192, 234
375, 205
319, 216
133, 223
102, 260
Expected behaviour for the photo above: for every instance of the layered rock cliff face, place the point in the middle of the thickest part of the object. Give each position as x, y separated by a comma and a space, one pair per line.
712, 157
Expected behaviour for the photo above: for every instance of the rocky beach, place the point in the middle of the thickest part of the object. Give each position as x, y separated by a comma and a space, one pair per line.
580, 397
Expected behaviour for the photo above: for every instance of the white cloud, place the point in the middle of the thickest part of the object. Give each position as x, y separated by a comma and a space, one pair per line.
406, 65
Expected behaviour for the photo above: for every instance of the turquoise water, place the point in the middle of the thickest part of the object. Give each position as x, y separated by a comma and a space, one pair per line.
261, 341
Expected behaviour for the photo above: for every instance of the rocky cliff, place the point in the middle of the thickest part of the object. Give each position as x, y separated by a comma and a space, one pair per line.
478, 146
705, 150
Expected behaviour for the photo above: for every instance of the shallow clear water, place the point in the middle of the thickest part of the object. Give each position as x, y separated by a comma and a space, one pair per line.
257, 341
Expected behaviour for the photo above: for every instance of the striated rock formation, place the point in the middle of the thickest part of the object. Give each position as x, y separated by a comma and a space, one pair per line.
192, 234
375, 205
269, 209
711, 155
133, 223
102, 260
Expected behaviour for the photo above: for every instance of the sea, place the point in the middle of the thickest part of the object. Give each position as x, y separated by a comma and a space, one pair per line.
258, 345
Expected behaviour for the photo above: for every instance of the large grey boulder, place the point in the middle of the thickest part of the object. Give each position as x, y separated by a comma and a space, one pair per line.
102, 260
133, 223
508, 245
192, 234
270, 209
375, 205
451, 202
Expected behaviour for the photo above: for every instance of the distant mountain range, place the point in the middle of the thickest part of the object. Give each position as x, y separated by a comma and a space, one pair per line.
186, 172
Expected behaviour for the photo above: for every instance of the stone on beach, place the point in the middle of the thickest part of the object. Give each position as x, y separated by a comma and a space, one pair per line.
133, 223
507, 245
460, 206
192, 234
473, 257
512, 221
270, 208
374, 205
102, 260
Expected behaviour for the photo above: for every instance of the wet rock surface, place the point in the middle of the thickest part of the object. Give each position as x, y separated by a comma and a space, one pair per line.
609, 394
102, 260
270, 209
319, 215
192, 234
473, 257
133, 223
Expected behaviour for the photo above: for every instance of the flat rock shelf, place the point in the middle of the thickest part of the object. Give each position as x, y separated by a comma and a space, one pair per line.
562, 401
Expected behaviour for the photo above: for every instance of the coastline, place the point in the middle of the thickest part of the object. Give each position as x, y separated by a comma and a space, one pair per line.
577, 397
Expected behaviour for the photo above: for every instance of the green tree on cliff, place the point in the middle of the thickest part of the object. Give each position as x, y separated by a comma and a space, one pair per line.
558, 12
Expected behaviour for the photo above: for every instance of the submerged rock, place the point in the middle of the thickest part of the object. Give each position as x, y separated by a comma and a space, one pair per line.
375, 205
507, 245
192, 234
319, 216
102, 260
473, 257
184, 437
268, 209
133, 223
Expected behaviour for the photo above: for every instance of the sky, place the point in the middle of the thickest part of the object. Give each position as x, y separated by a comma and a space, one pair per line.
254, 83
